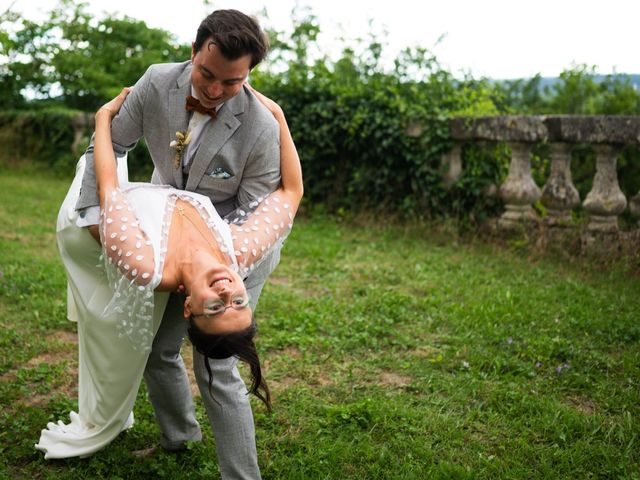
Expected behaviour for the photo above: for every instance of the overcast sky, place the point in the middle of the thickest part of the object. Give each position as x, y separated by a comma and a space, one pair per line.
495, 38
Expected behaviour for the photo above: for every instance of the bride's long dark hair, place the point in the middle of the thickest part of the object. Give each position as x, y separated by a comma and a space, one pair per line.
239, 344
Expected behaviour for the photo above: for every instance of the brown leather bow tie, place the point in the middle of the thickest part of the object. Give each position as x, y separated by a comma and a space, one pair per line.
193, 104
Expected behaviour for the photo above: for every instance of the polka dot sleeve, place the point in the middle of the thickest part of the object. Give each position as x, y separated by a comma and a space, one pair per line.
255, 233
125, 244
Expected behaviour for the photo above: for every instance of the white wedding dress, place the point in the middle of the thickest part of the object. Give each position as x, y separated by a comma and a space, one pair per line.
117, 317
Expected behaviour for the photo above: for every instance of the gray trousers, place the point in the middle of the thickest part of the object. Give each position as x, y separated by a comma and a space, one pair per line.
230, 413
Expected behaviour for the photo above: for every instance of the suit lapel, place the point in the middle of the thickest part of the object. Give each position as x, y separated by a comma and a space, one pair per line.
178, 118
216, 134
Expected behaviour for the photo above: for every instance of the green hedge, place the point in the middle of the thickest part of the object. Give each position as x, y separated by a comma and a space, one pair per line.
353, 143
46, 137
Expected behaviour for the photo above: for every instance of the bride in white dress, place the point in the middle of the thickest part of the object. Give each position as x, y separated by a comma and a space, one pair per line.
154, 240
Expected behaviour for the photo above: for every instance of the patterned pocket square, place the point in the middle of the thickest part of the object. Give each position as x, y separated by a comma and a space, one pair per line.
220, 172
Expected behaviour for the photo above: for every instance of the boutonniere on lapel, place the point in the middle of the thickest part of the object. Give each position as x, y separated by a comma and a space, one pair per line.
179, 145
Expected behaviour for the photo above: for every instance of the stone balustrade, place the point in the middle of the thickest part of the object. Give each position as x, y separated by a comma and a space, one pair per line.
606, 134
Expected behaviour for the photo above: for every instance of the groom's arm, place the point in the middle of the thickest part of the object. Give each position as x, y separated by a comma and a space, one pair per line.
126, 130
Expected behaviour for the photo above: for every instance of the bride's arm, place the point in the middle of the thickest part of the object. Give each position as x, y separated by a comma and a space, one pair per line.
103, 156
290, 170
125, 243
273, 216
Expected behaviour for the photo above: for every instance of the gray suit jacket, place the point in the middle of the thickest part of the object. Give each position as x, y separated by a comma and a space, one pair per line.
243, 141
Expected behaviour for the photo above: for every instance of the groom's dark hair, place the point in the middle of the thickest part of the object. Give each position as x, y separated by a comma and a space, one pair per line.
235, 34
239, 344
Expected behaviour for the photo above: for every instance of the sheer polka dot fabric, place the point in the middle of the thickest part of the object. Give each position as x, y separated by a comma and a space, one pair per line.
254, 233
134, 268
125, 244
128, 256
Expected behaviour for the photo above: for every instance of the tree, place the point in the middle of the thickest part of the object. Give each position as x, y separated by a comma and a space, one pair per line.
576, 93
22, 64
79, 60
101, 57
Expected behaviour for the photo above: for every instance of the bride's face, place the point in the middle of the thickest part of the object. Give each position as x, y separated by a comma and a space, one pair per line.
218, 301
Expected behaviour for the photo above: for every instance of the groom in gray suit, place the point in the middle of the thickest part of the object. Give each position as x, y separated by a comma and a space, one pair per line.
233, 157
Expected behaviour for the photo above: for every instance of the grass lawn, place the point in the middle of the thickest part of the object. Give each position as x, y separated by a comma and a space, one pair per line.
392, 352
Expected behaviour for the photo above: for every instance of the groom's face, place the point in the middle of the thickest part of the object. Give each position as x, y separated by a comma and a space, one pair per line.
215, 78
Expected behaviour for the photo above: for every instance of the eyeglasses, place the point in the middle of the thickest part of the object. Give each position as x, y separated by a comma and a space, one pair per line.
217, 307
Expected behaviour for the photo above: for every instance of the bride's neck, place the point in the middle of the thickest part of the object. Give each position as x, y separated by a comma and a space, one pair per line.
196, 257
188, 251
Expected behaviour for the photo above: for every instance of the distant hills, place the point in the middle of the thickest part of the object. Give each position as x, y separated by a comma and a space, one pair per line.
550, 81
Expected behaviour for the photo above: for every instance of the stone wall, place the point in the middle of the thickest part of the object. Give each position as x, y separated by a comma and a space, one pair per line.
603, 204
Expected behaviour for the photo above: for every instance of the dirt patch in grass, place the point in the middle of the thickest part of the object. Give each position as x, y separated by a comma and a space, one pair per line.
62, 349
292, 352
63, 336
14, 237
313, 379
291, 361
48, 358
393, 379
280, 356
279, 280
425, 351
583, 404
65, 352
282, 383
66, 385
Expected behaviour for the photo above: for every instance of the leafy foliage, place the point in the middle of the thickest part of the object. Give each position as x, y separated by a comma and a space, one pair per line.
77, 60
370, 136
45, 134
578, 91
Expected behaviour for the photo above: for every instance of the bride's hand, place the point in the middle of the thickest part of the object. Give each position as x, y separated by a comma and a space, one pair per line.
113, 106
272, 106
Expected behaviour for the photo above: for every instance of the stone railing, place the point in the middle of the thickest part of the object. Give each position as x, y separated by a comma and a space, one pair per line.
603, 204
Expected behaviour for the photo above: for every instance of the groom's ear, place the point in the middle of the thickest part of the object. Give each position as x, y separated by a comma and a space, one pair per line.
187, 307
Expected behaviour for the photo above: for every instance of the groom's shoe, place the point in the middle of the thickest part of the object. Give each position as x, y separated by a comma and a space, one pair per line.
176, 449
177, 446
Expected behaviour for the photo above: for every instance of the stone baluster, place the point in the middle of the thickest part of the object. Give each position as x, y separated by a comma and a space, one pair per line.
451, 165
519, 191
559, 195
605, 201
